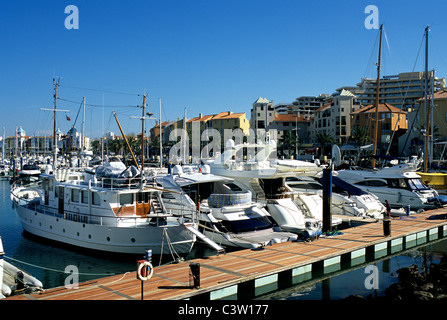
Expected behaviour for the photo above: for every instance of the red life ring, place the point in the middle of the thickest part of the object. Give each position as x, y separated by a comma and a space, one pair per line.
144, 276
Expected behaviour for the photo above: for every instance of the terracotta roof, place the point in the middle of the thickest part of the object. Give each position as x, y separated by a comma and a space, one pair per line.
328, 105
441, 94
289, 117
219, 116
162, 124
204, 118
233, 115
383, 107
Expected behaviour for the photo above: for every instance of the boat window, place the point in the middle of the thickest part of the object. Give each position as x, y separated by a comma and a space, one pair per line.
96, 199
373, 183
50, 184
232, 186
75, 195
143, 197
417, 184
84, 198
167, 195
247, 225
126, 198
397, 183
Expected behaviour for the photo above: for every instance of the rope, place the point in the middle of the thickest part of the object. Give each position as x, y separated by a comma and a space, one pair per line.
56, 270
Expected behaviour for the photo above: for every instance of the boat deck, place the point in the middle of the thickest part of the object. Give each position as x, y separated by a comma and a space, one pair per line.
239, 274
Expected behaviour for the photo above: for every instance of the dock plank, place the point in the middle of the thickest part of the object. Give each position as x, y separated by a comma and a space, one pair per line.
171, 282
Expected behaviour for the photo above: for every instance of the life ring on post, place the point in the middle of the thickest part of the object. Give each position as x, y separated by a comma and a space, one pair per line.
142, 272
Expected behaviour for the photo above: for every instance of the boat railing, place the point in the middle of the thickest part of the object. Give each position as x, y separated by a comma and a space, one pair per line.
247, 166
116, 183
217, 200
103, 220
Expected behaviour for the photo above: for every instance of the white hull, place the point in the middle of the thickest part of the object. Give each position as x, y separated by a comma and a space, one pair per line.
117, 239
250, 240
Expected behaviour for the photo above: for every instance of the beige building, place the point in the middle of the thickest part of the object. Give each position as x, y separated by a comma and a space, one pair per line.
334, 117
401, 90
392, 124
439, 113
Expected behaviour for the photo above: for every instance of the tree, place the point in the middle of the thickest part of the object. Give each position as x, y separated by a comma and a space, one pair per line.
324, 139
360, 136
288, 139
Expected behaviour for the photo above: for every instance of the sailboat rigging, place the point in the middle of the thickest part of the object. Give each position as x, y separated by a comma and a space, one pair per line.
376, 126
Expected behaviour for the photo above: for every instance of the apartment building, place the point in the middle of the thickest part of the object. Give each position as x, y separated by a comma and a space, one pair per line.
401, 90
392, 124
262, 114
334, 117
306, 105
438, 113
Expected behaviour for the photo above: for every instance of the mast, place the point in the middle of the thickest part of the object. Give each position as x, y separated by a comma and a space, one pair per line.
56, 84
427, 107
159, 135
83, 122
432, 106
125, 140
142, 136
376, 133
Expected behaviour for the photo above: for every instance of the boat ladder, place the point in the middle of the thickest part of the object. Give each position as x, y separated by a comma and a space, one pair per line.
204, 238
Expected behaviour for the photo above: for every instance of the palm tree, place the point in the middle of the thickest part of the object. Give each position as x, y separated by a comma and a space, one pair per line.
360, 136
288, 139
324, 139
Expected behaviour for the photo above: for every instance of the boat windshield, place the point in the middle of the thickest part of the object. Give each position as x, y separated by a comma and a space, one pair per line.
246, 225
417, 184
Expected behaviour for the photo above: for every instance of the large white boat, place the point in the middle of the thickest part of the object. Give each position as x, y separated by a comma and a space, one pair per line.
265, 178
400, 185
112, 210
347, 199
228, 215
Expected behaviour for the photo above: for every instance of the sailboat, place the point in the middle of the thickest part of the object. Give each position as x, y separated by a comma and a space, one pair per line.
400, 185
429, 176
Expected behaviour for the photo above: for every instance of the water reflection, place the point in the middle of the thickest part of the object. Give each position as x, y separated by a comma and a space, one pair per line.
358, 280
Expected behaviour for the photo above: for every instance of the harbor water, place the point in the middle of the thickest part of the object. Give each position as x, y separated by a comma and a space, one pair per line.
53, 264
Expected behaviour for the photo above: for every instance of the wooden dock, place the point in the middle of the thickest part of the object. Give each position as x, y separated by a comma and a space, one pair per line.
243, 274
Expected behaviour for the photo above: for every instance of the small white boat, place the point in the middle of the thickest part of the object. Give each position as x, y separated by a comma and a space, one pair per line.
15, 281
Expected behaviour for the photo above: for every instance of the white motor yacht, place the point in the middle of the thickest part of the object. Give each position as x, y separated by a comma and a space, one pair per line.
265, 178
399, 184
112, 210
347, 199
227, 214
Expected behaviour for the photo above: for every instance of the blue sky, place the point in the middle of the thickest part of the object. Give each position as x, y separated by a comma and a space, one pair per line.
206, 56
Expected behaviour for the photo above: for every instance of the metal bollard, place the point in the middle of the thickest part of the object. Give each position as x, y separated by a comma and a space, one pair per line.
386, 227
195, 274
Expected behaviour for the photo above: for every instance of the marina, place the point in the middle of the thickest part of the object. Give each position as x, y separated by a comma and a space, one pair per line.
239, 274
194, 199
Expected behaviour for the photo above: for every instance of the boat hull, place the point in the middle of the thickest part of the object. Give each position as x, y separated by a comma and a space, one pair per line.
135, 239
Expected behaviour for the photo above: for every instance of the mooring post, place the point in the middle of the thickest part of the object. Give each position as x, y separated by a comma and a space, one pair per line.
327, 199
